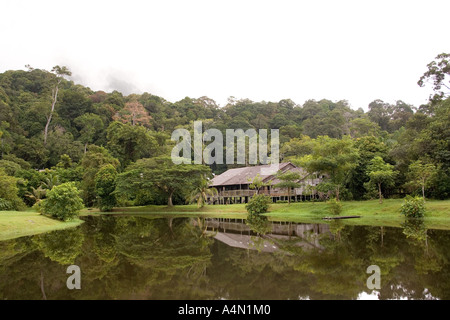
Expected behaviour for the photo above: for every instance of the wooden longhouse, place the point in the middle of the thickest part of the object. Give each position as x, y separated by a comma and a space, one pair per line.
233, 185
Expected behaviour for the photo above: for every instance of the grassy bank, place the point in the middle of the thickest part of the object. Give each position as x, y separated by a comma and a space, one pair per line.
371, 212
15, 224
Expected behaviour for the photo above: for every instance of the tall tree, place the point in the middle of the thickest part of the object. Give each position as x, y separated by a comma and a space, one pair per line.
334, 158
94, 159
380, 112
160, 173
438, 73
105, 184
130, 143
133, 113
90, 125
60, 72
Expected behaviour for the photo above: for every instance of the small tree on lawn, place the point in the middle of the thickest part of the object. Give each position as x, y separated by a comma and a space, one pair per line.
201, 191
63, 202
380, 173
421, 173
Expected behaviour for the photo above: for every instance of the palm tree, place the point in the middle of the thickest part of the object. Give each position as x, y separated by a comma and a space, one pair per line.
50, 181
201, 192
36, 194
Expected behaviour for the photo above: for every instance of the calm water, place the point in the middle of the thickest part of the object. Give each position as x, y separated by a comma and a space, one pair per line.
131, 257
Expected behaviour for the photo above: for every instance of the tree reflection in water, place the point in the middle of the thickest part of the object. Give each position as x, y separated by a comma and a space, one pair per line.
133, 257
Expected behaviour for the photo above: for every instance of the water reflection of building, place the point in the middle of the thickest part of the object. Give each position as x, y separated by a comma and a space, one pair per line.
236, 233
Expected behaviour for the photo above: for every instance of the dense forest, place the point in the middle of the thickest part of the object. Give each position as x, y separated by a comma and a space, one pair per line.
53, 131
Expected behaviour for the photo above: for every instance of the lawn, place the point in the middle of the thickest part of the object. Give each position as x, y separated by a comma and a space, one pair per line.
371, 212
14, 224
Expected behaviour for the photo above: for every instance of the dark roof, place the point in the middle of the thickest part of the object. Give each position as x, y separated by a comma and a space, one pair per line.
246, 174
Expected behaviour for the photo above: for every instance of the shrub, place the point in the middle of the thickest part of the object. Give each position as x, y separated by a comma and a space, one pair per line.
413, 207
258, 204
334, 206
6, 205
8, 193
63, 202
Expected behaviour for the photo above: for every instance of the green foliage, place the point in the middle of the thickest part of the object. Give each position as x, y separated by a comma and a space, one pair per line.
129, 143
90, 126
9, 199
10, 168
6, 205
438, 71
84, 120
13, 158
201, 191
415, 229
288, 181
62, 247
413, 207
94, 159
258, 223
257, 183
333, 158
258, 204
390, 117
334, 206
160, 174
380, 173
105, 184
421, 174
63, 202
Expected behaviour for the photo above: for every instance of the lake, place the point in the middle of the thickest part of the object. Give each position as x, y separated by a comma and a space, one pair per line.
143, 257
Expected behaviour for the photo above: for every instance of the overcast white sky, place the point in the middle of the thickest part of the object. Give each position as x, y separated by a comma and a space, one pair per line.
261, 50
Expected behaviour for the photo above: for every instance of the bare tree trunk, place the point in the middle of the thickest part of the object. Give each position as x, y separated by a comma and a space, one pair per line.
423, 190
42, 286
171, 226
169, 201
49, 117
337, 193
379, 192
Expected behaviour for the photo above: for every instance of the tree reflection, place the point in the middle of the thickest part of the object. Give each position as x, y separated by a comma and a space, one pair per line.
415, 229
61, 247
132, 257
258, 223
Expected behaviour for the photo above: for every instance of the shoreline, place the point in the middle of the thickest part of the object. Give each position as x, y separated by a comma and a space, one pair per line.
15, 224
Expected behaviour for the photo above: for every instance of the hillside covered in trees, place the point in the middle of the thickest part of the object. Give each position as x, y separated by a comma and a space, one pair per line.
53, 130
